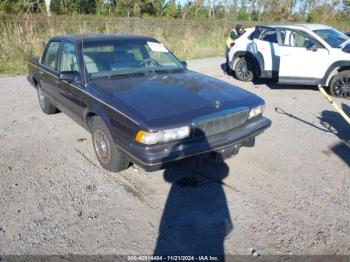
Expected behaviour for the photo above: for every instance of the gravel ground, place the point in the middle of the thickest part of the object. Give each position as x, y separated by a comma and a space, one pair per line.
287, 195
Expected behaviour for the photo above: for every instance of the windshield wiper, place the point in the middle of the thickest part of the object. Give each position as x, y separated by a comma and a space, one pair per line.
126, 74
144, 71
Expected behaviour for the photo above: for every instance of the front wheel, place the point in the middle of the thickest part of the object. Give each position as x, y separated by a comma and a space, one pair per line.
244, 70
44, 102
107, 153
340, 85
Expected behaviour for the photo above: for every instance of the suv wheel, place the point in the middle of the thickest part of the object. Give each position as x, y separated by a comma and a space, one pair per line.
340, 85
44, 102
244, 69
107, 153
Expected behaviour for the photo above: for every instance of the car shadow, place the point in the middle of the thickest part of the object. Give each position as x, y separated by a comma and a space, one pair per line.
283, 112
272, 84
334, 123
196, 217
331, 122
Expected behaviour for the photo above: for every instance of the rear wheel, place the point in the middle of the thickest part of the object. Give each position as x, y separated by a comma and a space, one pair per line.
244, 69
106, 151
340, 85
44, 102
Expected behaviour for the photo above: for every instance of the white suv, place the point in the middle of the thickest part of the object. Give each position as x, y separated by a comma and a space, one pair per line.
306, 54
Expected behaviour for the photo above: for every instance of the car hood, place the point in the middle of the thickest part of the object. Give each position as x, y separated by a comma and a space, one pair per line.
161, 100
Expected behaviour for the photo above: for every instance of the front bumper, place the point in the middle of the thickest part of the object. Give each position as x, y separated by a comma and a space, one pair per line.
162, 156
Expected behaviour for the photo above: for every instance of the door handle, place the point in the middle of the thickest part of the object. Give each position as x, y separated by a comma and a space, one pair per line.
41, 72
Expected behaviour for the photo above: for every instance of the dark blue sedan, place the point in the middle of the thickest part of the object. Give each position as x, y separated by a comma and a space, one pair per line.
140, 103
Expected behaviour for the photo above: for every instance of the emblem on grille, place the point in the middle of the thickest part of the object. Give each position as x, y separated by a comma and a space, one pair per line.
217, 104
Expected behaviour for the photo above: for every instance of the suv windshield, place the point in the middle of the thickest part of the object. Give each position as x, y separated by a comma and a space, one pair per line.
333, 37
124, 57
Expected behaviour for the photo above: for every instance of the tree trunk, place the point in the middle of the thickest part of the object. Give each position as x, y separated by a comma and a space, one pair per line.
48, 10
209, 8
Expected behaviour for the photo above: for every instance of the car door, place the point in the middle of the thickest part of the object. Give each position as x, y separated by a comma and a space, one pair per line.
48, 73
266, 45
303, 59
70, 94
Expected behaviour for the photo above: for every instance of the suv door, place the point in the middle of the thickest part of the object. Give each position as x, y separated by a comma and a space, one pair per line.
303, 59
266, 43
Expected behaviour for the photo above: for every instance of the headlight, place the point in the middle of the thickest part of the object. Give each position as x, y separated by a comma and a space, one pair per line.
162, 136
256, 111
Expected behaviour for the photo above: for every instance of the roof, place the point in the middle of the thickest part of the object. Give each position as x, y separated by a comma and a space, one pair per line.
102, 37
305, 26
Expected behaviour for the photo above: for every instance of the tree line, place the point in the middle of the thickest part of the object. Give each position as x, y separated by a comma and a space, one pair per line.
244, 10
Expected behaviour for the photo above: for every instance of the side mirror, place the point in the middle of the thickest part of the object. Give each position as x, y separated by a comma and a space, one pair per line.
312, 47
70, 76
184, 63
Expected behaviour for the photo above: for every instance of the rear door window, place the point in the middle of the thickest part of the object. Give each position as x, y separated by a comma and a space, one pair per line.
296, 38
267, 34
50, 57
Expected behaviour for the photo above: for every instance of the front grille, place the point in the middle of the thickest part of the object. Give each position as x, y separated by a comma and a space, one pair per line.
220, 122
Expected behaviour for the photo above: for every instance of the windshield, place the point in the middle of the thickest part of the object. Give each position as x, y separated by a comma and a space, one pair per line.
333, 37
124, 57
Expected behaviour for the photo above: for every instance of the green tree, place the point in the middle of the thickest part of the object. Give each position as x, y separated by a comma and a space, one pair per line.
86, 6
170, 8
55, 7
20, 6
243, 14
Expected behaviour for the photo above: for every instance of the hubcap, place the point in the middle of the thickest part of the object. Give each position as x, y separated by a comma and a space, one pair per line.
41, 97
342, 87
102, 147
243, 71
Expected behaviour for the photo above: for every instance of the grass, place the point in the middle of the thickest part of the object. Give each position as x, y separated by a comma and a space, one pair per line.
22, 37
25, 37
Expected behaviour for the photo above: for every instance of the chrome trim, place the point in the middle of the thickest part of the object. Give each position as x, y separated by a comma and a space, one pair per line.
111, 107
44, 70
217, 114
80, 89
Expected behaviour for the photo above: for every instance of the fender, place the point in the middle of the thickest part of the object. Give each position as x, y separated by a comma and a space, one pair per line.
94, 110
333, 69
116, 123
260, 66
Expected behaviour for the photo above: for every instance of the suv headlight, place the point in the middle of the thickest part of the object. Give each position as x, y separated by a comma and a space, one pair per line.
162, 136
256, 111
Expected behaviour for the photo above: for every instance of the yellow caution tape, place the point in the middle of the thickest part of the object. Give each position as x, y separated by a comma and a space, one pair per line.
336, 107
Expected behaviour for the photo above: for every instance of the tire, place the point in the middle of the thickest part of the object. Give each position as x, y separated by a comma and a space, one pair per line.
45, 103
107, 153
244, 69
340, 85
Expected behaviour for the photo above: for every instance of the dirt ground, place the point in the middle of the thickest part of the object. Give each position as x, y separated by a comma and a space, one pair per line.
287, 195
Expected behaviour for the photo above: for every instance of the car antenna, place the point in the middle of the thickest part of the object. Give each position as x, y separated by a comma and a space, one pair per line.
82, 52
